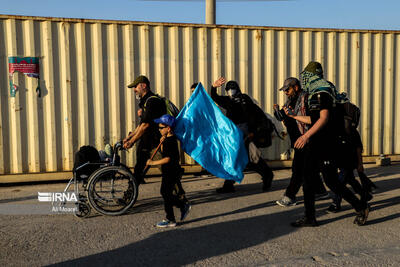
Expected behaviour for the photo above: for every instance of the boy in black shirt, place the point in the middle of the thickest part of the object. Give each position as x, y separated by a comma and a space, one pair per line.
171, 172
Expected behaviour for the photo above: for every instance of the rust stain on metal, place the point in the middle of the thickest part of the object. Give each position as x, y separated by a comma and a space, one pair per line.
259, 36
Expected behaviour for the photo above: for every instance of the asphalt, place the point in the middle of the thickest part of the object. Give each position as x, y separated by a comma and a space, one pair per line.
245, 228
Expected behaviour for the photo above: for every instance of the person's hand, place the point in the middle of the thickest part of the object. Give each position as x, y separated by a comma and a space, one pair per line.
127, 138
301, 141
127, 144
140, 112
149, 162
289, 112
219, 82
163, 138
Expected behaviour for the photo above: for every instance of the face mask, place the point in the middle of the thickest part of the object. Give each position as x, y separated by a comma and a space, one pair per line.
232, 92
137, 97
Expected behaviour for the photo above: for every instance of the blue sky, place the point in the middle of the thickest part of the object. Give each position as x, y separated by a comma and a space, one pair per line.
346, 14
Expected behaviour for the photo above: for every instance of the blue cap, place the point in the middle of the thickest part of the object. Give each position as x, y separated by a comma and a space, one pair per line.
166, 119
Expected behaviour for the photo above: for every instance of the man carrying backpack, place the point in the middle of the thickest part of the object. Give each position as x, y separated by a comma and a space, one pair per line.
320, 143
241, 110
146, 133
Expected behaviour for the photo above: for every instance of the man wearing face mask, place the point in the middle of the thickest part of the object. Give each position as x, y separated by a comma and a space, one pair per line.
146, 133
239, 111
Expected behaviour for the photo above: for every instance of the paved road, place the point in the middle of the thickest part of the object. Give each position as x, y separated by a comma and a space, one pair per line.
245, 228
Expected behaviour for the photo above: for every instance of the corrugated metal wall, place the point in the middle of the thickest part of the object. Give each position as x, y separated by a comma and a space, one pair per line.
85, 66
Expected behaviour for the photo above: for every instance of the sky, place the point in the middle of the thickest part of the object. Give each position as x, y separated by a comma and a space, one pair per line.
339, 14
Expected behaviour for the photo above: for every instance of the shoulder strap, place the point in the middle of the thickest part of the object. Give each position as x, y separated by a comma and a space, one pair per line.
153, 96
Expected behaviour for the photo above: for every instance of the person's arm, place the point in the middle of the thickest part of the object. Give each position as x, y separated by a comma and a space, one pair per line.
319, 124
222, 101
158, 162
140, 130
130, 135
304, 119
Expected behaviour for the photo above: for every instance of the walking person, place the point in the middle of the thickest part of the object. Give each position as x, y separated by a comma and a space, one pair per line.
239, 111
146, 133
320, 143
351, 159
296, 100
171, 172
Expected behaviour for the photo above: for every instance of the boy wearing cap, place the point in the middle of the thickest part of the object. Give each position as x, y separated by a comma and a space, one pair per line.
170, 169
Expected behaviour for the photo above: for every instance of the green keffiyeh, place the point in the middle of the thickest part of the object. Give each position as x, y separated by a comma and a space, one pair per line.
314, 84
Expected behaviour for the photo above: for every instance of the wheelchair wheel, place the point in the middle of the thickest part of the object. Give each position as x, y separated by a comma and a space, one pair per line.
112, 190
82, 209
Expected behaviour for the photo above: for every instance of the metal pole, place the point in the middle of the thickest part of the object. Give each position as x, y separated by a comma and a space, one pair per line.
210, 11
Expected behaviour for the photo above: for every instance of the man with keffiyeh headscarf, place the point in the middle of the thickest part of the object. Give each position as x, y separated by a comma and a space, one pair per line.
319, 144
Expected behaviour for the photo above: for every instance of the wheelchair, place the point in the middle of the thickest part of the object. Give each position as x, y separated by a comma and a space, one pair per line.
110, 190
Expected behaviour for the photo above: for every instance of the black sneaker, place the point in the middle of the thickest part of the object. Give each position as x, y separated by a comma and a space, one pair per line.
362, 216
225, 189
305, 222
333, 208
321, 196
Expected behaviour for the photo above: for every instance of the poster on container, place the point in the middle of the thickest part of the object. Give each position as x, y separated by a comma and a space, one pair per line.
25, 65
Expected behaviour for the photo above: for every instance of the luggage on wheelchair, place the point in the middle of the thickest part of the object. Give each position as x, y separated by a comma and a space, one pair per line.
86, 154
108, 186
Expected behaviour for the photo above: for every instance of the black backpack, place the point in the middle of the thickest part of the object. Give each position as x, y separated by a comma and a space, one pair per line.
84, 155
351, 113
263, 128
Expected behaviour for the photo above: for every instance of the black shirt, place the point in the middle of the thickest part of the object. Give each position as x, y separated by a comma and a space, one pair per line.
170, 149
238, 108
153, 107
327, 138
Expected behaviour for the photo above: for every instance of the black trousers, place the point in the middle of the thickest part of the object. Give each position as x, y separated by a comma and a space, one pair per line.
143, 151
315, 159
349, 178
170, 191
262, 168
296, 181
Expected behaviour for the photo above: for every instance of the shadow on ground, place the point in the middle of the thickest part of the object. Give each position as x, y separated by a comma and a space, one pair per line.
186, 246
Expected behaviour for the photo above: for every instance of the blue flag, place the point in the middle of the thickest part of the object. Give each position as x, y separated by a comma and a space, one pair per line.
210, 138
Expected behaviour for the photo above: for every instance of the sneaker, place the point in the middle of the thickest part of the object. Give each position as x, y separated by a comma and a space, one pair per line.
166, 223
322, 196
225, 189
333, 208
362, 216
185, 211
305, 222
286, 202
